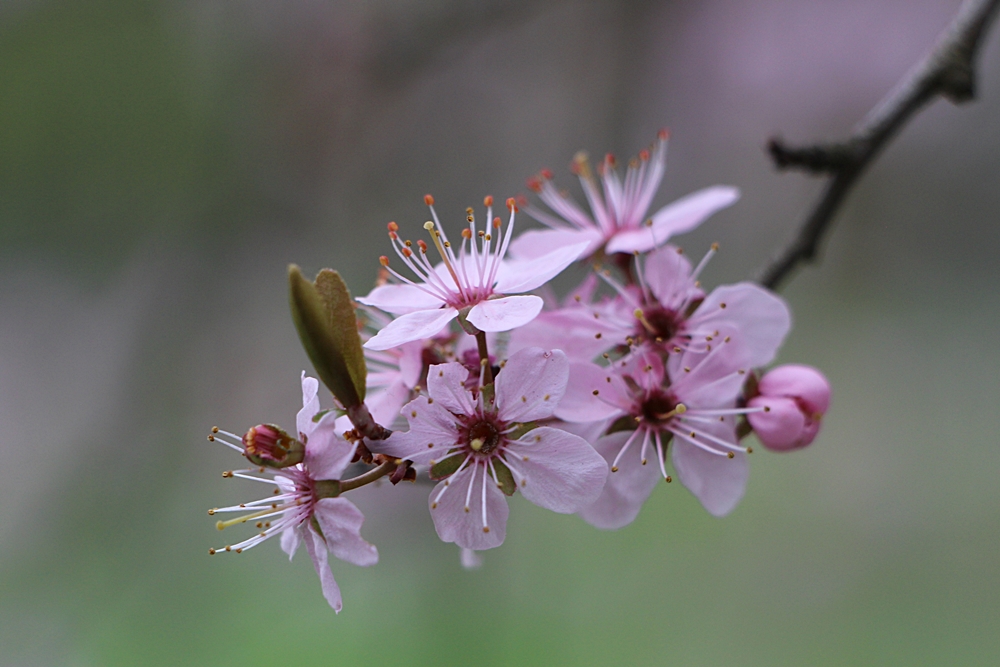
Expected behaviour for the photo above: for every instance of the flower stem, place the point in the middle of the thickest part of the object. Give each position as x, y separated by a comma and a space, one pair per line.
484, 358
368, 477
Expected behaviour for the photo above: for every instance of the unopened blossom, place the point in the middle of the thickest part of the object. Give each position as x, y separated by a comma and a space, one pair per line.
687, 406
474, 281
304, 508
618, 220
473, 443
792, 401
665, 310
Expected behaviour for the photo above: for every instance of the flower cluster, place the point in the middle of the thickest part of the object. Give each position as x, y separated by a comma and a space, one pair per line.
452, 370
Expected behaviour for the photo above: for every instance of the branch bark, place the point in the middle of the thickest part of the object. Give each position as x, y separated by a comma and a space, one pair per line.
948, 70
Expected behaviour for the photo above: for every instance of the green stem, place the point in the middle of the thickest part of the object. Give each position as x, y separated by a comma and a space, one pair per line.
484, 358
368, 477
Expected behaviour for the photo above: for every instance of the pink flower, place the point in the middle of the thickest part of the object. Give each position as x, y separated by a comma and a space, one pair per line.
474, 282
793, 399
305, 508
668, 312
471, 442
689, 408
617, 222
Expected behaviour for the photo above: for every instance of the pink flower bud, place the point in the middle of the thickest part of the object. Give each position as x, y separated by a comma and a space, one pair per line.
794, 399
269, 445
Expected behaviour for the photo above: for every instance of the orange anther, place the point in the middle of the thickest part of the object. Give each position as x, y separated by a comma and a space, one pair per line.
429, 200
488, 200
534, 184
511, 204
546, 174
393, 227
643, 155
422, 245
663, 134
466, 233
383, 260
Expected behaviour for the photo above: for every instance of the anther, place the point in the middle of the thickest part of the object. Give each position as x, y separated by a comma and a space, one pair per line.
511, 204
668, 479
211, 552
211, 512
596, 392
488, 200
614, 468
215, 429
393, 227
383, 260
749, 450
229, 473
730, 455
429, 200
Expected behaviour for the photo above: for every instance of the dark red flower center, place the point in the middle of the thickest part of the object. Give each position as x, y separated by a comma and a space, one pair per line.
484, 437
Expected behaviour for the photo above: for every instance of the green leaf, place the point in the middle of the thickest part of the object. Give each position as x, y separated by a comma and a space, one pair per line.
447, 467
504, 476
322, 317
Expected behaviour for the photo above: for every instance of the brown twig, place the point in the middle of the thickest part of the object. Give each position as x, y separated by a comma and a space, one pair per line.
948, 70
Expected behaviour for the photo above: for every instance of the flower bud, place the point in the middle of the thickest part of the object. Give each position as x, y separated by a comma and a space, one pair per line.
794, 399
269, 445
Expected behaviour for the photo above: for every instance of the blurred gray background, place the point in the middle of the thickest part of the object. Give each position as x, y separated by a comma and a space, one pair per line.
160, 165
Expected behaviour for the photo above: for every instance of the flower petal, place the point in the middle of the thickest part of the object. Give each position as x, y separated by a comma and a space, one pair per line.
310, 406
530, 384
557, 470
675, 218
410, 327
573, 330
581, 404
521, 275
626, 489
432, 432
539, 242
317, 551
446, 385
386, 403
327, 453
341, 523
463, 524
668, 275
717, 481
400, 299
761, 318
290, 540
505, 313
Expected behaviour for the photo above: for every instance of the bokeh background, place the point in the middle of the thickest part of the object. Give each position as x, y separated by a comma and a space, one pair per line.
162, 162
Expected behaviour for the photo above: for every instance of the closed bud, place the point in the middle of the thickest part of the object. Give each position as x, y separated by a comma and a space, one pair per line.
791, 403
269, 445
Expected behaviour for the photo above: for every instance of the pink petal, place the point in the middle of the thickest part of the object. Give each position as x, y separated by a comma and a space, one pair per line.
310, 406
385, 404
463, 524
714, 380
317, 551
400, 299
432, 432
446, 385
290, 541
717, 481
538, 242
505, 313
573, 330
782, 427
627, 488
557, 470
675, 218
521, 275
531, 384
327, 453
798, 381
668, 275
410, 327
411, 362
579, 404
761, 318
341, 523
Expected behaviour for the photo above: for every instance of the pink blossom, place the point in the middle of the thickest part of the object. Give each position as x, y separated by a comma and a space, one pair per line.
666, 311
473, 439
793, 399
688, 407
302, 510
617, 222
476, 282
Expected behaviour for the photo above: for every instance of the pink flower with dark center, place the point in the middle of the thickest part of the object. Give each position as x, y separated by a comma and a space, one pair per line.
793, 399
475, 281
617, 221
478, 447
666, 311
303, 508
689, 408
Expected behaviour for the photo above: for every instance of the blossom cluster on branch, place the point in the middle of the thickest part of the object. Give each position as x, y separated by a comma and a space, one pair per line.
462, 367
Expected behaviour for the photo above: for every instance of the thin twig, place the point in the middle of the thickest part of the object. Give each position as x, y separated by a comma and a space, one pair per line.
948, 70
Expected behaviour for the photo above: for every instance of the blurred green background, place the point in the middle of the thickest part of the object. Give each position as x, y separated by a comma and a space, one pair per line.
160, 165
